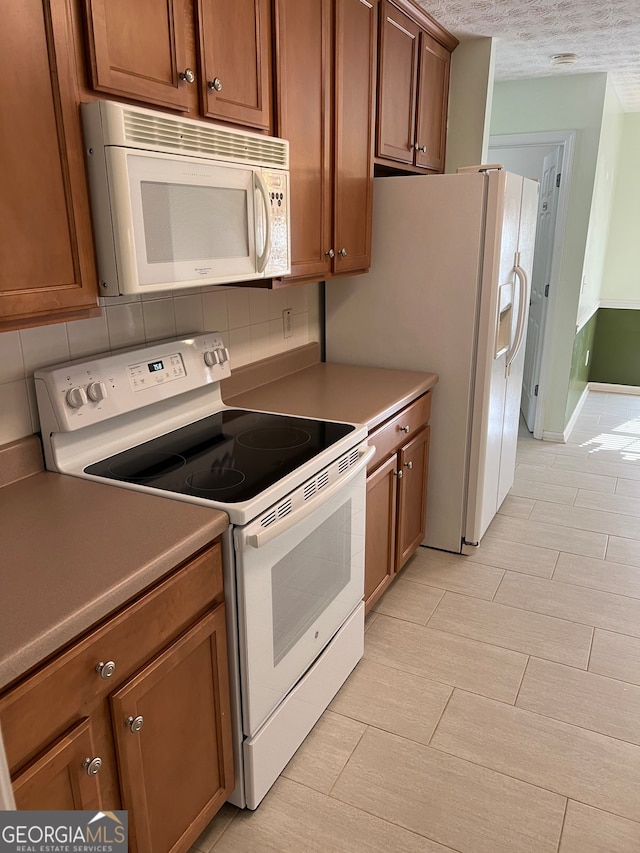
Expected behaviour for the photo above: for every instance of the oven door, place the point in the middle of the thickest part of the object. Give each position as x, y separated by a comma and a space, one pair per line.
298, 580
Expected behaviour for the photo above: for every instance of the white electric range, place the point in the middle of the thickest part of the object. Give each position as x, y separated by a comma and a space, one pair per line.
153, 419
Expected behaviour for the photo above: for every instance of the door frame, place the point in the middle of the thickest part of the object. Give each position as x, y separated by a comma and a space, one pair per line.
566, 140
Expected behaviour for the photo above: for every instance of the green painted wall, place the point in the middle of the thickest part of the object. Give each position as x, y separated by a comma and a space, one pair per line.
580, 371
616, 347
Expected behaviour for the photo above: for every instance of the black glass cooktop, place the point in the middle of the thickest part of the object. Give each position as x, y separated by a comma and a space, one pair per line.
230, 456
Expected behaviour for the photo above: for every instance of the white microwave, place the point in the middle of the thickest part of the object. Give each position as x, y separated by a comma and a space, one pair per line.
180, 203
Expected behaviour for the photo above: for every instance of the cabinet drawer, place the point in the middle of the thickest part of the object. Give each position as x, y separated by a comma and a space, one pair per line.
44, 704
389, 437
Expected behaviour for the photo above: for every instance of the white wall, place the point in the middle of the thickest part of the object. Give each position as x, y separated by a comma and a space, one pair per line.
250, 320
601, 205
572, 102
621, 275
470, 93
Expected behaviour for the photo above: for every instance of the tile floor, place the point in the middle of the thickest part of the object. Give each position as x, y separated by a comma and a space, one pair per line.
497, 706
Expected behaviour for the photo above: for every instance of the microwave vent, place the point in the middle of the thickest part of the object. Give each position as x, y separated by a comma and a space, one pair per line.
200, 139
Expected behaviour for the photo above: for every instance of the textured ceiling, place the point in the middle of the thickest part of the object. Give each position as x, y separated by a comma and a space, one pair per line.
604, 35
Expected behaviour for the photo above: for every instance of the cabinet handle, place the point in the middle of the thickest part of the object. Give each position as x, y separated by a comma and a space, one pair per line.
187, 76
399, 474
404, 428
216, 84
422, 148
135, 723
330, 253
408, 465
106, 670
92, 765
343, 253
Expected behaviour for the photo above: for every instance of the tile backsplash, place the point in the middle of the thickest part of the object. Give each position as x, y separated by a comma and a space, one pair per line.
250, 320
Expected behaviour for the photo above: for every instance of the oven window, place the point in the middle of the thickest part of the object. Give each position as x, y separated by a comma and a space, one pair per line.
308, 579
183, 222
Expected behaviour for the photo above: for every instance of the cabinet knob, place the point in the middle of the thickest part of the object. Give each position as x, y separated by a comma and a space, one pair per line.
330, 253
92, 765
408, 465
343, 253
187, 75
106, 670
405, 428
135, 723
216, 84
399, 474
422, 148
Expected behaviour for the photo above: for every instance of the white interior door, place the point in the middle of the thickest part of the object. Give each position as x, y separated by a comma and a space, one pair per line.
541, 275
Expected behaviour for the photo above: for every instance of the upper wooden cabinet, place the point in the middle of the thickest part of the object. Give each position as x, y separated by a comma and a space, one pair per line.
147, 52
138, 50
47, 268
413, 87
325, 61
235, 60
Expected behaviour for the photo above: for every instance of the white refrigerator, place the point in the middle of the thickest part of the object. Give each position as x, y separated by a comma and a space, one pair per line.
448, 292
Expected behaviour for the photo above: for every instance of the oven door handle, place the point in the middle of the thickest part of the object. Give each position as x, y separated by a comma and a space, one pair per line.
260, 539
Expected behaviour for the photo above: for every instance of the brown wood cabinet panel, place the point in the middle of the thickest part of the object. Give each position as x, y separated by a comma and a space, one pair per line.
235, 61
390, 436
46, 250
57, 779
304, 81
413, 89
397, 81
138, 50
355, 54
412, 499
380, 548
45, 704
433, 99
177, 769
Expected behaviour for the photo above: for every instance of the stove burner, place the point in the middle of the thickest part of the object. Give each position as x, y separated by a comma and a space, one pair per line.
214, 479
146, 466
274, 438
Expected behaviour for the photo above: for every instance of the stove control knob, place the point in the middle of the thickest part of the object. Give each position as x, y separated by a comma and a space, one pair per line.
76, 397
224, 355
96, 391
211, 358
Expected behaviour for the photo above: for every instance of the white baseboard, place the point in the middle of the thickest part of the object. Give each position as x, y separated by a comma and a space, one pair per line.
554, 436
564, 436
610, 388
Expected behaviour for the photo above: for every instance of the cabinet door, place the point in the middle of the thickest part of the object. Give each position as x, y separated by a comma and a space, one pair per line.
47, 265
303, 85
235, 60
433, 98
412, 500
138, 50
397, 79
353, 129
58, 778
380, 547
172, 727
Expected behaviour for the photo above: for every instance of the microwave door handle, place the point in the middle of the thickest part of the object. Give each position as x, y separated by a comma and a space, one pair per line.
261, 186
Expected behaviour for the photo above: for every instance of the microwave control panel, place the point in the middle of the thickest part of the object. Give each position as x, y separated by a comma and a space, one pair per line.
278, 192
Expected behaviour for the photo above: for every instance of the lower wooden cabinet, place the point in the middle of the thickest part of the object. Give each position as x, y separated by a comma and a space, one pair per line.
396, 495
59, 777
135, 715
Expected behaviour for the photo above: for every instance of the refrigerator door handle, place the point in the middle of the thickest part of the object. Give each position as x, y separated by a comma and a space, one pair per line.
523, 305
